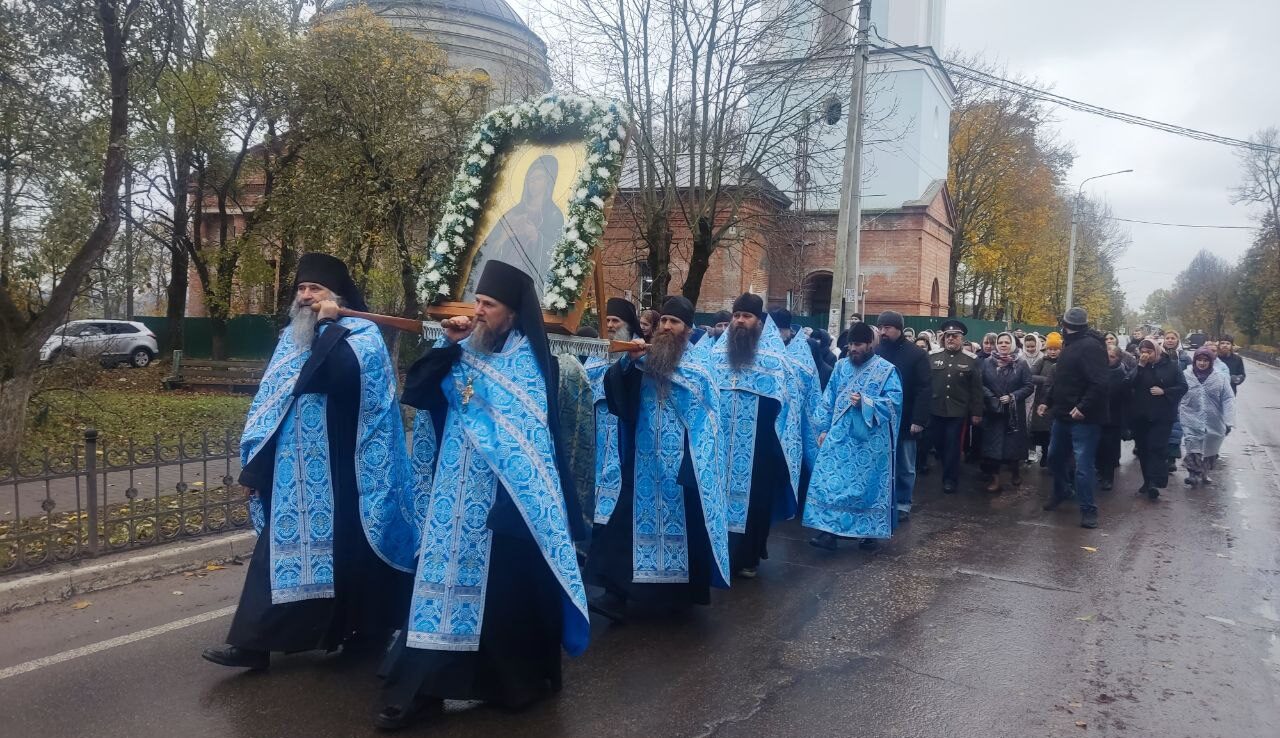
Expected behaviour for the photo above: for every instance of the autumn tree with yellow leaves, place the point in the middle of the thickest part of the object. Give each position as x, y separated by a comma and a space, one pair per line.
1013, 216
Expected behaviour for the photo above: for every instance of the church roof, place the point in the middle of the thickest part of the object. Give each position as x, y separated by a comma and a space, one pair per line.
492, 8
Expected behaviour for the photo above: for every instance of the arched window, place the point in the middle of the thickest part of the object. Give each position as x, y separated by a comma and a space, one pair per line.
817, 293
935, 304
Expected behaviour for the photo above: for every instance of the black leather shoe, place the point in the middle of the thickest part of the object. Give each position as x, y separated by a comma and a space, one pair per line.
825, 541
245, 658
398, 717
1089, 519
1152, 492
948, 489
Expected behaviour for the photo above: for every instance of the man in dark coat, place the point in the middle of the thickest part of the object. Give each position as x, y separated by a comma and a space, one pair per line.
1078, 403
1227, 355
912, 364
313, 581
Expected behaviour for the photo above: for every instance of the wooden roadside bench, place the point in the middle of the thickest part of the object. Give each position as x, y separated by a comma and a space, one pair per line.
234, 375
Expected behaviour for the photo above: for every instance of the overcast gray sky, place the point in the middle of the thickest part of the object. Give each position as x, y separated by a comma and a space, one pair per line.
1210, 66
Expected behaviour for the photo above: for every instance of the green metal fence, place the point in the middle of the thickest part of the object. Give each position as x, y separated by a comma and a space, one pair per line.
918, 322
248, 336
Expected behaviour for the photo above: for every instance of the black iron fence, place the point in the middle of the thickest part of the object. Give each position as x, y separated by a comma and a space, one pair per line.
100, 497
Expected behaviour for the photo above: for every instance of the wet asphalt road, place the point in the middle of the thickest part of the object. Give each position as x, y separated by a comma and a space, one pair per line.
983, 617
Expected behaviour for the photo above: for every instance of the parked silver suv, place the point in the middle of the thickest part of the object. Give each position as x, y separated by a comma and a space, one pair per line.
111, 341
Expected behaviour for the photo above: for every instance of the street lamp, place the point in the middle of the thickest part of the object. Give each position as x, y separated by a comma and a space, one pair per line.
1071, 253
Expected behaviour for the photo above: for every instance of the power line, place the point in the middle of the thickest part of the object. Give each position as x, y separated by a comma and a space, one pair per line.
1180, 225
991, 80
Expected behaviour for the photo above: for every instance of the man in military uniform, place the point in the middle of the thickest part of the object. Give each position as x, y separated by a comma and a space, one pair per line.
957, 397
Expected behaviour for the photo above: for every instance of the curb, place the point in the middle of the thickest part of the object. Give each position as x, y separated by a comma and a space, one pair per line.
67, 580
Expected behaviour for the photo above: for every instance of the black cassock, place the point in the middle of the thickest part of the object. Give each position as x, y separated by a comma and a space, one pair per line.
370, 597
518, 659
770, 492
610, 560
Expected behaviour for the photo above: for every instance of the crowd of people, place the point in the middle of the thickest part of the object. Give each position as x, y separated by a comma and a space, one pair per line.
536, 488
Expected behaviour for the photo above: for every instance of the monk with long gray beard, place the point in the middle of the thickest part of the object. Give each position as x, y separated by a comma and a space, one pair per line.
323, 445
760, 428
666, 542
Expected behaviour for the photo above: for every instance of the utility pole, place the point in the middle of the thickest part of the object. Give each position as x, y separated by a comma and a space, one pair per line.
846, 282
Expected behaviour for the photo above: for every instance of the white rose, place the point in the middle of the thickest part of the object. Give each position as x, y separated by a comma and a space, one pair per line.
442, 247
580, 245
560, 272
575, 270
571, 234
470, 222
597, 202
581, 194
475, 181
570, 282
614, 146
457, 229
433, 276
457, 240
487, 148
622, 132
471, 203
516, 121
593, 160
474, 158
603, 173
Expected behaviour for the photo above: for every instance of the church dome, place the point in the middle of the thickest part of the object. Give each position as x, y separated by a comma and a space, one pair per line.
483, 36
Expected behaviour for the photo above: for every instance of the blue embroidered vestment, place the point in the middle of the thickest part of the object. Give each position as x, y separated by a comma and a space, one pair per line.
495, 432
851, 491
772, 375
660, 541
302, 507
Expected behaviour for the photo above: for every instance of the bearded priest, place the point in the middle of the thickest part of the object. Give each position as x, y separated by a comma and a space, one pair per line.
666, 543
323, 450
760, 429
851, 493
497, 590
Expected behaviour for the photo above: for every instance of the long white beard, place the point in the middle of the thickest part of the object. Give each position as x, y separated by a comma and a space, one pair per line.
302, 324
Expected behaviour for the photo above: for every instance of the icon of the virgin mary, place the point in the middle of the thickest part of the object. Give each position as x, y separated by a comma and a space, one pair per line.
526, 233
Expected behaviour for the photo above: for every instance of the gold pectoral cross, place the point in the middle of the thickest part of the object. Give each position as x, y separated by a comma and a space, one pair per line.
467, 392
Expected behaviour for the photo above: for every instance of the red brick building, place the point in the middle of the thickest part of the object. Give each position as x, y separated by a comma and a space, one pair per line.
788, 256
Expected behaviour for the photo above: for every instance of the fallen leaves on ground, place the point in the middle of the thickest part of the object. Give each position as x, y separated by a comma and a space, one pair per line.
1082, 724
1090, 549
1086, 618
82, 604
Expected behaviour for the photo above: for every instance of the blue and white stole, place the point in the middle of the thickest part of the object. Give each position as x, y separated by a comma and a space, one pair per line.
660, 542
302, 509
855, 464
495, 432
773, 376
810, 392
608, 463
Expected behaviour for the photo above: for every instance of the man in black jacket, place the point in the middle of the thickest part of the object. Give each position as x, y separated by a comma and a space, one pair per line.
917, 395
1079, 404
1227, 355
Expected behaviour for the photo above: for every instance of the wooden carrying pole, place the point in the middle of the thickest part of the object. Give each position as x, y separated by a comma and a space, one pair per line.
409, 325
